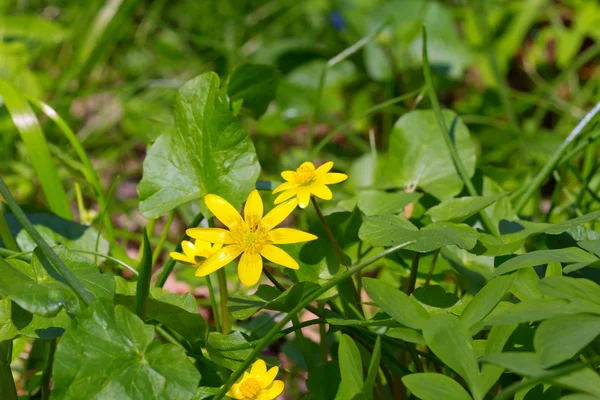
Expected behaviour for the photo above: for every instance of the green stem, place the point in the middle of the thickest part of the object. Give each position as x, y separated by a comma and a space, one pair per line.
168, 268
7, 383
143, 284
5, 235
163, 237
213, 303
71, 280
547, 169
47, 373
414, 269
432, 267
307, 300
223, 296
323, 345
460, 168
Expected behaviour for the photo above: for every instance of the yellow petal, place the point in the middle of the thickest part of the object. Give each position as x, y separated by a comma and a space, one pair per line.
216, 246
249, 270
288, 194
180, 257
218, 260
285, 186
307, 164
234, 392
188, 249
278, 214
224, 211
322, 192
325, 168
278, 256
259, 368
333, 177
253, 210
275, 389
202, 247
303, 197
268, 378
211, 235
289, 176
289, 235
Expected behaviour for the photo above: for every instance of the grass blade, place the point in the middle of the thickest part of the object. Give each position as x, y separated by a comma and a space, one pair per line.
143, 284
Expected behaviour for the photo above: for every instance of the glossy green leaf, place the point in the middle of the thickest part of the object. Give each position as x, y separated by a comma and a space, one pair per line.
208, 152
351, 369
218, 347
392, 229
560, 338
497, 339
525, 284
397, 304
37, 148
433, 386
590, 245
110, 353
434, 297
255, 84
418, 155
406, 334
449, 339
527, 364
459, 209
376, 202
581, 292
486, 300
540, 257
530, 310
373, 370
7, 328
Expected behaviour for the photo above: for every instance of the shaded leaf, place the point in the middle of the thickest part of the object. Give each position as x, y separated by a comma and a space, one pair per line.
486, 300
459, 209
432, 386
350, 369
540, 257
255, 84
218, 347
376, 202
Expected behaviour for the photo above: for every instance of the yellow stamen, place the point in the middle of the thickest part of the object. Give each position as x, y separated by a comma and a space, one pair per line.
250, 388
305, 175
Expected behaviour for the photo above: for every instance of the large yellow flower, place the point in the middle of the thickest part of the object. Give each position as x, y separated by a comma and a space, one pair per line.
195, 253
258, 384
307, 180
252, 236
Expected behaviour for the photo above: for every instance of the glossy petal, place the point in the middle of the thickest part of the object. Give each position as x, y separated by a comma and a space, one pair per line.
234, 392
249, 270
325, 168
259, 368
289, 235
289, 176
188, 249
285, 186
322, 192
333, 177
180, 257
202, 247
278, 214
275, 389
303, 197
269, 376
253, 210
278, 256
218, 260
211, 235
288, 194
215, 247
224, 211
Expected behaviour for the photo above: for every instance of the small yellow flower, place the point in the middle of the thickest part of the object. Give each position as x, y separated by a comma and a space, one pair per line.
307, 180
258, 384
195, 253
252, 236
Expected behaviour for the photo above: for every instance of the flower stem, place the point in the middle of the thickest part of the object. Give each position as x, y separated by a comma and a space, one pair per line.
223, 294
213, 303
163, 237
7, 383
47, 374
414, 269
432, 267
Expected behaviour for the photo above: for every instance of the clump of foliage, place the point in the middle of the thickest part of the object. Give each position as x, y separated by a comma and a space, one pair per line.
361, 200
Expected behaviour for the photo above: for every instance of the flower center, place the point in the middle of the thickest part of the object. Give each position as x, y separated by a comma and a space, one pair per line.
304, 175
250, 388
251, 238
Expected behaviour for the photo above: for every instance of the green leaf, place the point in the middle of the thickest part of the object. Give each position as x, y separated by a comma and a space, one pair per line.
591, 246
434, 297
110, 353
324, 380
255, 84
398, 305
581, 292
527, 364
218, 347
373, 370
560, 338
432, 386
449, 339
530, 310
350, 369
486, 300
37, 148
7, 329
457, 210
540, 257
56, 230
406, 334
497, 339
376, 202
391, 230
33, 28
208, 152
418, 155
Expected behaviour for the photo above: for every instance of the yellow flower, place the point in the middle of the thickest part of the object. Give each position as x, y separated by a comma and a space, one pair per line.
258, 384
195, 253
307, 180
252, 236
